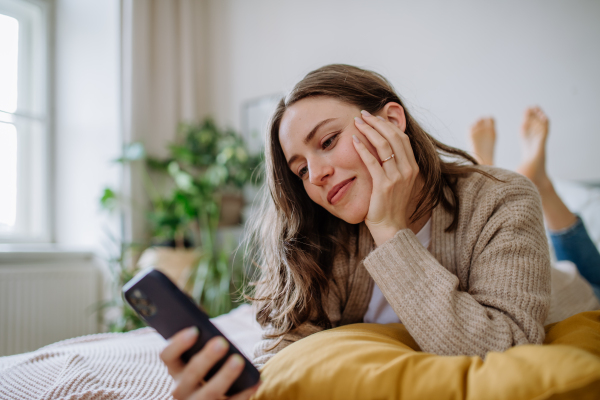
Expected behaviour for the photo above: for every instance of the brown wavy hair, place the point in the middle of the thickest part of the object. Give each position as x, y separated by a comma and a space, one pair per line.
293, 241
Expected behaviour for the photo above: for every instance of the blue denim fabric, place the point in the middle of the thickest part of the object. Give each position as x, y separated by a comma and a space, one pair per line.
574, 244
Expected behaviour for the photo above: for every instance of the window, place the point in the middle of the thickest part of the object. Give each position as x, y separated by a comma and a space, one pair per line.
24, 124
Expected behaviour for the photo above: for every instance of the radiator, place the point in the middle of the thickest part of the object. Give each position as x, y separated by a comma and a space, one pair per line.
46, 298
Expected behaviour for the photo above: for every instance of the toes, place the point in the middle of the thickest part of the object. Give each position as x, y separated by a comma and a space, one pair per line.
476, 126
541, 115
535, 113
531, 114
483, 123
535, 123
478, 123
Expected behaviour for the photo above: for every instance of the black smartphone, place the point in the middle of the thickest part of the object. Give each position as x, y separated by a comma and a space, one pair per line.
160, 303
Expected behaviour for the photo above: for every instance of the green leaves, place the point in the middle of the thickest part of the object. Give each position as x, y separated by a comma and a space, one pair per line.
183, 180
221, 156
109, 201
184, 191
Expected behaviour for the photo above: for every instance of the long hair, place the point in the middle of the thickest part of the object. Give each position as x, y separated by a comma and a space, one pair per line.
292, 240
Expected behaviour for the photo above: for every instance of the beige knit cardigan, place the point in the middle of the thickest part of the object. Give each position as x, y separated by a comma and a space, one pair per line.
482, 287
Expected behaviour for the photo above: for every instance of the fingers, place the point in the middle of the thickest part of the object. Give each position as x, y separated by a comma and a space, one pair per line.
176, 346
222, 380
384, 150
388, 132
382, 146
194, 373
375, 169
400, 143
410, 166
190, 377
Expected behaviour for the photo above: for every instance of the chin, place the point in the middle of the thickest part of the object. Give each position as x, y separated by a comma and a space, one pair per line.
353, 216
353, 220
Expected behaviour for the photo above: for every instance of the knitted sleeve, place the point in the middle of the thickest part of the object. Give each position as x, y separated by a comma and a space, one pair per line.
506, 268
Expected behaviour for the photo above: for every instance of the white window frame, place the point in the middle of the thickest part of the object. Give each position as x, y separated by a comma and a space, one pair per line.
34, 222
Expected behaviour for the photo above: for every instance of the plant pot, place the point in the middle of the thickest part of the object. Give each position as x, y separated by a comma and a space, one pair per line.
232, 205
175, 263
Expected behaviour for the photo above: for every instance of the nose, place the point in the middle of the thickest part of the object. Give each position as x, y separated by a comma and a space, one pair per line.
318, 172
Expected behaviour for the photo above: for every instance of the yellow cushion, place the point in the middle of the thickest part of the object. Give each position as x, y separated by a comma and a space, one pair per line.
371, 361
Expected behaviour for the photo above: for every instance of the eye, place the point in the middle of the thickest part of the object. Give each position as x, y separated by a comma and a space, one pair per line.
329, 141
302, 172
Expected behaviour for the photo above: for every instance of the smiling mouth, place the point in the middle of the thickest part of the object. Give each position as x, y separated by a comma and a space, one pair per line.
339, 190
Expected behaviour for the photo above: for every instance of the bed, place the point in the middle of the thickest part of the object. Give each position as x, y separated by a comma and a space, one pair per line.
127, 365
108, 365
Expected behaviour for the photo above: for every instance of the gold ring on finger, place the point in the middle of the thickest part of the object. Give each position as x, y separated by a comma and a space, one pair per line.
389, 158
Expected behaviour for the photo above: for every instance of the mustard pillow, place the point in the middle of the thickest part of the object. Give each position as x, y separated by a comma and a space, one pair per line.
372, 361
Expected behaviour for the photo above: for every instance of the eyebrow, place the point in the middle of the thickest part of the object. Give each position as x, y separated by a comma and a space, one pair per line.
310, 136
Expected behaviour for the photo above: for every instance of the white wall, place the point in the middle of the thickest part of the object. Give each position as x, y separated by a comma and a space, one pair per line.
87, 132
451, 61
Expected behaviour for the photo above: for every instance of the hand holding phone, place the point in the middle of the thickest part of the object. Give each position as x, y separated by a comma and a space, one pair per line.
188, 377
203, 363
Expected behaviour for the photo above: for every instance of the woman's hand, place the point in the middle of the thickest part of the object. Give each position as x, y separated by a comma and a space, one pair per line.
393, 180
189, 378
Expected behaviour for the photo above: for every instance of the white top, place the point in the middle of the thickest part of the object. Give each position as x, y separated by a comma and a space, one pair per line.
380, 311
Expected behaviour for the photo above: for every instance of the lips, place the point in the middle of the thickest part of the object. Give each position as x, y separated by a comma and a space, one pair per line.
336, 192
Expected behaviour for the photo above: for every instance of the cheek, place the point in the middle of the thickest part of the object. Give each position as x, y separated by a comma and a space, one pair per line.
347, 162
313, 192
349, 159
346, 156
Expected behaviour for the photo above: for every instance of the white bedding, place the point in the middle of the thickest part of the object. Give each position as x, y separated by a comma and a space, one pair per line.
108, 366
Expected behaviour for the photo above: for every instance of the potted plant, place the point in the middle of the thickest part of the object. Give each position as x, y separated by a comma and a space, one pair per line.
194, 195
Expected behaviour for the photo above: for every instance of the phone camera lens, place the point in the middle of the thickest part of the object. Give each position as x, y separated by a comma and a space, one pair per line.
137, 294
141, 303
147, 310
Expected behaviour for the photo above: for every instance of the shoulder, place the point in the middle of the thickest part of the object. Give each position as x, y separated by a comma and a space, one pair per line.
503, 186
508, 200
505, 179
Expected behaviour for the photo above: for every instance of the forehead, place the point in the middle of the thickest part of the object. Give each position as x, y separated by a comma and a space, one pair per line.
301, 117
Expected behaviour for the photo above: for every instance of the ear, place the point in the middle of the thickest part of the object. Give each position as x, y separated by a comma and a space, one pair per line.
394, 113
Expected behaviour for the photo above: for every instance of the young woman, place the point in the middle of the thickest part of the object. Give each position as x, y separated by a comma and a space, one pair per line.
367, 218
571, 242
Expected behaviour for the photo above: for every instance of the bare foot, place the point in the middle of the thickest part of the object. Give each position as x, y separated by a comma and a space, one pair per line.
483, 140
534, 134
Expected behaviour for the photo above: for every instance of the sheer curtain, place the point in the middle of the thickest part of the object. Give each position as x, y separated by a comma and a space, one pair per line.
164, 78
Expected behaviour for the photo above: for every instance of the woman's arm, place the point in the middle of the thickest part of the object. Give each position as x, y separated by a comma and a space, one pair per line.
507, 270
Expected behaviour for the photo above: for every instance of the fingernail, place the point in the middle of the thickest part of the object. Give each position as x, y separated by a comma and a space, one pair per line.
381, 118
236, 361
359, 120
220, 345
365, 113
355, 139
191, 333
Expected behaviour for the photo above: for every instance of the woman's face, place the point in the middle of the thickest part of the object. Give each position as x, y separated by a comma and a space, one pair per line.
316, 137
